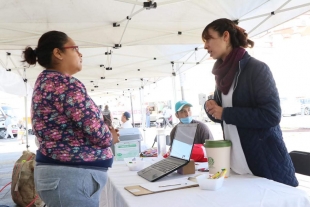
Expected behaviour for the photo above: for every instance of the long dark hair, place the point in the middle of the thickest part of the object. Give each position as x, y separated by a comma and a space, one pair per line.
46, 44
238, 37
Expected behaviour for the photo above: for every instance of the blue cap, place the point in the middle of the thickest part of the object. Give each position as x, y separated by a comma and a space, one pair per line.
127, 115
179, 105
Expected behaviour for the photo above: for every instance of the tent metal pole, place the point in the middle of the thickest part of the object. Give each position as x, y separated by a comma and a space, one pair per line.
26, 118
120, 41
295, 7
278, 10
148, 39
109, 62
132, 115
181, 80
131, 2
102, 44
26, 114
18, 39
131, 15
259, 24
128, 19
179, 68
161, 4
36, 36
171, 2
108, 57
143, 118
10, 58
174, 96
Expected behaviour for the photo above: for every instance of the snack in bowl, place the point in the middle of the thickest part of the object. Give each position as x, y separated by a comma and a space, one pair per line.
135, 165
207, 183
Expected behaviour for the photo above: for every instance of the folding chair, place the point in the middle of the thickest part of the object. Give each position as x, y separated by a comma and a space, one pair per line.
301, 162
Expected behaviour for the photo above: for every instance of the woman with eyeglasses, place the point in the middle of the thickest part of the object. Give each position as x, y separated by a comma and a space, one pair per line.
246, 103
74, 142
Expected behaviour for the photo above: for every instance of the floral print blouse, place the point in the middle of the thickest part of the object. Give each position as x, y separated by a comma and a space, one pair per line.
68, 124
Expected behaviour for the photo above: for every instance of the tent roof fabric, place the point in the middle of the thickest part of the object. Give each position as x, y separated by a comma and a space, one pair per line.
153, 40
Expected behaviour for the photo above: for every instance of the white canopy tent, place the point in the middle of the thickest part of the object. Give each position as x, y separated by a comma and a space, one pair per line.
127, 44
144, 41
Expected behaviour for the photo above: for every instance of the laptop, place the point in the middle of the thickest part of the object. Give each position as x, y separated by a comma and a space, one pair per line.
179, 156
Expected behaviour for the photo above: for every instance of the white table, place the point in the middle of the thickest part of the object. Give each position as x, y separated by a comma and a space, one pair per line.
237, 191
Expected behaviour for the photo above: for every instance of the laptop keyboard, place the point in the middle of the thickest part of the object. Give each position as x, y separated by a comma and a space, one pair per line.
167, 165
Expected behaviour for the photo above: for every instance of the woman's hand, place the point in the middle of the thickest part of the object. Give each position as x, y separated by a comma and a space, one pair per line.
213, 109
115, 135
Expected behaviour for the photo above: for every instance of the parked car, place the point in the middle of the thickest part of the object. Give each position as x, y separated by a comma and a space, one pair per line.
305, 105
306, 108
10, 111
290, 106
2, 126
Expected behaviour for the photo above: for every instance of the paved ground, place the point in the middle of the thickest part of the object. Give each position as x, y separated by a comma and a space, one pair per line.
10, 151
296, 133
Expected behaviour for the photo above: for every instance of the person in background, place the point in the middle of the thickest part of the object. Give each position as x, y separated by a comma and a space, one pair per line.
246, 103
159, 119
147, 117
100, 107
107, 115
8, 125
74, 142
167, 114
21, 131
184, 114
125, 120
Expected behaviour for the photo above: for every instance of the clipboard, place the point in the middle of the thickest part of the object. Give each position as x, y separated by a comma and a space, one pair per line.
138, 190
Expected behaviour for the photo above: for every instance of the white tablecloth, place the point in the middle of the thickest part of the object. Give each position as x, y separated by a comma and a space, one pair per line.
237, 191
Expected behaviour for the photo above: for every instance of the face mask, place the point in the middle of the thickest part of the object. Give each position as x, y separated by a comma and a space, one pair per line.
186, 120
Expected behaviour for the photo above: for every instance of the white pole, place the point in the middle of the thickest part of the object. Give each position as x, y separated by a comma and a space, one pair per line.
26, 114
143, 111
181, 80
26, 117
174, 97
133, 120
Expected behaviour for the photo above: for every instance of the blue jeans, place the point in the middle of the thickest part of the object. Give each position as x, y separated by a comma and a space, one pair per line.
64, 186
147, 121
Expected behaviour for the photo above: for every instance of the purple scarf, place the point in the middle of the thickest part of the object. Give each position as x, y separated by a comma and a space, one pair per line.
225, 71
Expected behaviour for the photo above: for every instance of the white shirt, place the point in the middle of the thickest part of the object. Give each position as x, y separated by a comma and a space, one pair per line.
238, 162
167, 112
127, 124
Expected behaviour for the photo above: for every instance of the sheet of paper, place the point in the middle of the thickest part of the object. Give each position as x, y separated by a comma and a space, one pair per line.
168, 185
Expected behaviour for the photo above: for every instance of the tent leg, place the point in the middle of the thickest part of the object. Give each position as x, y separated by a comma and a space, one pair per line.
26, 118
174, 97
132, 115
143, 110
181, 76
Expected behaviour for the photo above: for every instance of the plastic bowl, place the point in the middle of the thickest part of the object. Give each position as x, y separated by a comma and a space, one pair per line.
209, 184
135, 165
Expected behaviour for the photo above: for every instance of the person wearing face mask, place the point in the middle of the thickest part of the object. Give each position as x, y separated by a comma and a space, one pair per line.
184, 114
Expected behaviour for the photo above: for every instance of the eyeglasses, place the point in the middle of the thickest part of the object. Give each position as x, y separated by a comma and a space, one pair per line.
76, 48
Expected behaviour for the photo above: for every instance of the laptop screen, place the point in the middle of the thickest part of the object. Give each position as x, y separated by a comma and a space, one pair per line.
183, 141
